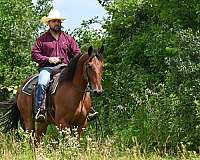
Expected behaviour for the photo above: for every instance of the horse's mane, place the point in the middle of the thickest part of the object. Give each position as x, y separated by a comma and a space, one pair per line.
68, 73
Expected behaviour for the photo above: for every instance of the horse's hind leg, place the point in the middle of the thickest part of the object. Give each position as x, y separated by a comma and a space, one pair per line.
24, 104
40, 130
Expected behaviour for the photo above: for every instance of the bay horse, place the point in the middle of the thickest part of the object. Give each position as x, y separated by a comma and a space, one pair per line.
71, 100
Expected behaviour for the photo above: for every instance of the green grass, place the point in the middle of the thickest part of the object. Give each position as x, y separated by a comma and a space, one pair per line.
61, 145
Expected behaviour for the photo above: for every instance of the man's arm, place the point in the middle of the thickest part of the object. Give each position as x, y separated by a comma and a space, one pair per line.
37, 53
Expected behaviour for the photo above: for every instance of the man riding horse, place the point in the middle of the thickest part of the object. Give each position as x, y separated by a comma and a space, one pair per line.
49, 50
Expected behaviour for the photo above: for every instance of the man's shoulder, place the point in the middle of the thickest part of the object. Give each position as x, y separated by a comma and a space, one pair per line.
69, 37
43, 36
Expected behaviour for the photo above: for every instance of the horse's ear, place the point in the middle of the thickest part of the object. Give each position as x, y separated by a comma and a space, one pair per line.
90, 49
101, 50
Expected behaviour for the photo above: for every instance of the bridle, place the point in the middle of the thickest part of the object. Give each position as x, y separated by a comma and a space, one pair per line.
86, 75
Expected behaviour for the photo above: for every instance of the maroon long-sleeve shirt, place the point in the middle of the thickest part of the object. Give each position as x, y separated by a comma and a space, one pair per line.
47, 46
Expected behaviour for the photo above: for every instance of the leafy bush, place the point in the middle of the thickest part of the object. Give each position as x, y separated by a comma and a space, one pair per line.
153, 57
20, 23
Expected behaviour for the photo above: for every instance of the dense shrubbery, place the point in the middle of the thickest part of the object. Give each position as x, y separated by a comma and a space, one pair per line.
153, 59
20, 23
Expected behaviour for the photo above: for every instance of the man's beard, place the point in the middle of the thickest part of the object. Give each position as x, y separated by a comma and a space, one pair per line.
56, 28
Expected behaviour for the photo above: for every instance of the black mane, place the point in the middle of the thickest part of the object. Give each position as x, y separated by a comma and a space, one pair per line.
68, 73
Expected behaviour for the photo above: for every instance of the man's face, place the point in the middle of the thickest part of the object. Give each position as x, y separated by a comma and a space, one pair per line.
55, 24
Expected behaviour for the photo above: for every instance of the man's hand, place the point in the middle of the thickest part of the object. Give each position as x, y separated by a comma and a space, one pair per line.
54, 60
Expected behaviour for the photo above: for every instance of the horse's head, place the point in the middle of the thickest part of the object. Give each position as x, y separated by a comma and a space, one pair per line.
94, 69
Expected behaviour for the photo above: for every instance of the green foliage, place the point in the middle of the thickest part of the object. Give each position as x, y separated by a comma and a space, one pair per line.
12, 148
153, 71
87, 36
20, 23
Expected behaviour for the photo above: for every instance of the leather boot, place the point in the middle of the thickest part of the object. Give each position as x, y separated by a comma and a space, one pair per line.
40, 102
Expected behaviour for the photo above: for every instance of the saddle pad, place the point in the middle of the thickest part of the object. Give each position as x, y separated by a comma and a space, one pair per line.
28, 87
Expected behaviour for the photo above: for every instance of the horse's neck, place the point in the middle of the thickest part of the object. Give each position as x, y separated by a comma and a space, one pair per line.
78, 79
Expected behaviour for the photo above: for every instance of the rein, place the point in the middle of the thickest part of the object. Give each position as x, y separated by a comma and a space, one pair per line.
86, 77
88, 87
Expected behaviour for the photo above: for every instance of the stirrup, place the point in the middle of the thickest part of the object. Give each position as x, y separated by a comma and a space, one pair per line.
39, 116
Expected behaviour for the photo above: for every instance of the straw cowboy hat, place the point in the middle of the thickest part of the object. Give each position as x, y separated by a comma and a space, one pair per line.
53, 14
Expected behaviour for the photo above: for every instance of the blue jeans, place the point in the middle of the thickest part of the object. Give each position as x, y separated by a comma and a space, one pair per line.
43, 82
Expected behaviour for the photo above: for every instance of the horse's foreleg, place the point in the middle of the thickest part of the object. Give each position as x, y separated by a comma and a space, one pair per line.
61, 123
80, 130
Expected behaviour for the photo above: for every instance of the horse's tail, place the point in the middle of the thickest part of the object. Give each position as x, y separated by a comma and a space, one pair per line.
9, 116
